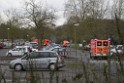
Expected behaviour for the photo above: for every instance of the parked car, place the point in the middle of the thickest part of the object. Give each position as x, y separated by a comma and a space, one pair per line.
31, 48
1, 46
7, 44
87, 47
50, 46
60, 50
38, 60
117, 49
32, 44
20, 51
56, 48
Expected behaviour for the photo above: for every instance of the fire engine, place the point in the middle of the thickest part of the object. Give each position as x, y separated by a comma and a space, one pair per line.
99, 48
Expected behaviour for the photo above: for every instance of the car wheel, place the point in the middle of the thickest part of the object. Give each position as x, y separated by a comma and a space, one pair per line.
9, 54
52, 67
18, 67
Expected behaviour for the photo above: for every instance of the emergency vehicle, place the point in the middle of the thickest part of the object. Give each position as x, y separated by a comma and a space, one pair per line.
66, 43
99, 48
35, 40
46, 42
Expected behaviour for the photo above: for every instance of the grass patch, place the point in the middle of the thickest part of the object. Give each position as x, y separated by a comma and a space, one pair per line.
75, 46
74, 65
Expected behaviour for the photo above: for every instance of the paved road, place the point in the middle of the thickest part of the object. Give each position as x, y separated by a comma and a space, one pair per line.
3, 52
79, 68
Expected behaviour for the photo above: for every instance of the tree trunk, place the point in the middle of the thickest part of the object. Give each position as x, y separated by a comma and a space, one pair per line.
118, 30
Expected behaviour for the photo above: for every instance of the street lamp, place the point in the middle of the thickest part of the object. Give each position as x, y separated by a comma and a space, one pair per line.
75, 32
8, 35
27, 37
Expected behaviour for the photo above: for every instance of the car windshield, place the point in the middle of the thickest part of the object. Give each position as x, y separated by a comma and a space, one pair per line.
120, 48
112, 47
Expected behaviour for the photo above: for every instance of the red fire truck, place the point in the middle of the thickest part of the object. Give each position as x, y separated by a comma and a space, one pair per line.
99, 48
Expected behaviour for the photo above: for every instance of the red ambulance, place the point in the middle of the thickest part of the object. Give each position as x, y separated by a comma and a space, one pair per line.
99, 48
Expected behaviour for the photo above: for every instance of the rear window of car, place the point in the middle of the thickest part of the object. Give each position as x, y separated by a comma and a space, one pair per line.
44, 54
105, 43
33, 55
47, 55
99, 43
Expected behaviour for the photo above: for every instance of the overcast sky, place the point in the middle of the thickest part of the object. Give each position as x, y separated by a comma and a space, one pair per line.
56, 4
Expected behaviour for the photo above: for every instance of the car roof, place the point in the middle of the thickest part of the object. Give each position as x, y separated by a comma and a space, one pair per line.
33, 42
47, 51
22, 46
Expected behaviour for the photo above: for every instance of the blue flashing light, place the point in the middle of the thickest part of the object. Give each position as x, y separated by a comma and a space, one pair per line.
109, 39
95, 38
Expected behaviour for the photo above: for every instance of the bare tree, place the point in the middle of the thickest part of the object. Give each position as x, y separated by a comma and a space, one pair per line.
86, 13
85, 8
13, 17
41, 17
118, 10
117, 13
13, 23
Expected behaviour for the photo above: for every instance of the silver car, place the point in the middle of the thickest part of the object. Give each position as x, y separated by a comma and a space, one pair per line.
38, 60
20, 51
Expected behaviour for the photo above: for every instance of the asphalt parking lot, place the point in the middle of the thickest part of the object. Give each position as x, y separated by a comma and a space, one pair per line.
79, 69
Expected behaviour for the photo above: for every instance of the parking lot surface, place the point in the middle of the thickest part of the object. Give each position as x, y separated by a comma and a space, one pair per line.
79, 69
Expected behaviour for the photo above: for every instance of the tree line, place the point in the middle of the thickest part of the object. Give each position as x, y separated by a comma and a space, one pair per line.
95, 19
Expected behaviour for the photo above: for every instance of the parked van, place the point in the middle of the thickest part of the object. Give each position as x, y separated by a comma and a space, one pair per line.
38, 60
